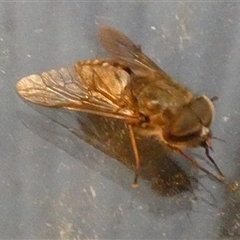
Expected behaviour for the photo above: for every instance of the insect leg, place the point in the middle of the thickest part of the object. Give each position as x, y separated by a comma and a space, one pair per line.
221, 179
213, 162
194, 163
136, 154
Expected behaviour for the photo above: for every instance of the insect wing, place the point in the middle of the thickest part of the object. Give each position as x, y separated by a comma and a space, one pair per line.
65, 88
120, 46
55, 88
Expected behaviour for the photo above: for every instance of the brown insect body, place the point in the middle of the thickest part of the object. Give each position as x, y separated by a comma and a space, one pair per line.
130, 87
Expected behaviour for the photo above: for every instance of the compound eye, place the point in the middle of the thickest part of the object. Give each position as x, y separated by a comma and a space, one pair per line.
187, 123
204, 109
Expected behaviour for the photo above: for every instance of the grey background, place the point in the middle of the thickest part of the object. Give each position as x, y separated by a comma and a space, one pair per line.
56, 185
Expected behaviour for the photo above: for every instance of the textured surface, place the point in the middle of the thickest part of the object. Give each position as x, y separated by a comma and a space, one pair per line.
54, 184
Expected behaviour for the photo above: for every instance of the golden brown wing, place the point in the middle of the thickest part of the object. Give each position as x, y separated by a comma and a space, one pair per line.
90, 86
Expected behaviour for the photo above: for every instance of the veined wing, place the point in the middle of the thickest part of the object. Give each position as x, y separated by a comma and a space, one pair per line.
121, 47
90, 86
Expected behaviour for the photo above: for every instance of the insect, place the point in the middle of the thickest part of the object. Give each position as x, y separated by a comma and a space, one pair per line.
130, 87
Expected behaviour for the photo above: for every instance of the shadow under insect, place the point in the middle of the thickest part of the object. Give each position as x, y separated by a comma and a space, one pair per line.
110, 136
157, 166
